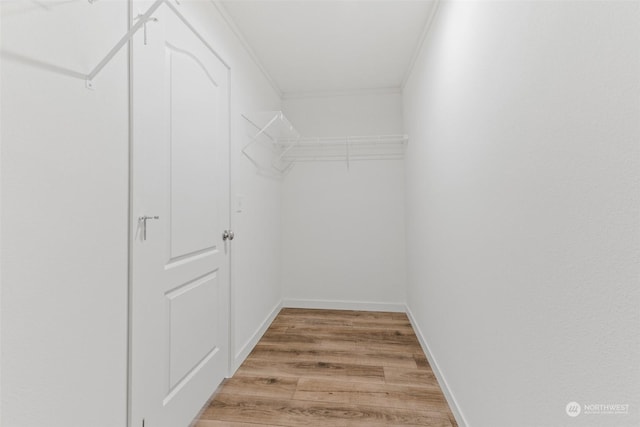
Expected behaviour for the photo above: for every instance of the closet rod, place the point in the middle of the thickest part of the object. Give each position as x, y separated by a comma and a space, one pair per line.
342, 140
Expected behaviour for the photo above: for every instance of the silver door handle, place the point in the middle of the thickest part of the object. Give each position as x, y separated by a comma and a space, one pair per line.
227, 235
142, 221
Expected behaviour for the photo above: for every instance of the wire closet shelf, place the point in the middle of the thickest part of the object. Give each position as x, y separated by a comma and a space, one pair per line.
275, 145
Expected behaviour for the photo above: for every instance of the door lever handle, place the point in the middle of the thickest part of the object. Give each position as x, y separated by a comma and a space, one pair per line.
142, 221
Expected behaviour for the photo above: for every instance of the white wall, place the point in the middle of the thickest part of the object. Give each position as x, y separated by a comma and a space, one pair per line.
343, 229
523, 207
1, 275
365, 113
65, 211
64, 218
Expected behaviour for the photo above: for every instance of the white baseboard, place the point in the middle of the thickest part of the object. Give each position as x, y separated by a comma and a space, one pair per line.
344, 305
451, 400
251, 343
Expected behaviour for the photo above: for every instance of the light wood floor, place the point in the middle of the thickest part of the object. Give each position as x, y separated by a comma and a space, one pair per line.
332, 368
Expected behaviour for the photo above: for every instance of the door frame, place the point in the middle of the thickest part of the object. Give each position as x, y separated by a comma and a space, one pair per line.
131, 216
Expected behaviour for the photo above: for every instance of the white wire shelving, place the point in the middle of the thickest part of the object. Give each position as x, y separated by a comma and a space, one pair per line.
276, 145
141, 21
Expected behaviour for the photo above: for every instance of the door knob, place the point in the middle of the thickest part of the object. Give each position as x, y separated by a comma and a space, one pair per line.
227, 235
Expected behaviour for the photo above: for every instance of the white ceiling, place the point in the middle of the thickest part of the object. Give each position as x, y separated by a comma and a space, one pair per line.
332, 46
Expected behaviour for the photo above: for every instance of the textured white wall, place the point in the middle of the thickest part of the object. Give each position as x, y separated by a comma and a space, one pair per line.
1, 276
64, 218
343, 229
523, 208
358, 114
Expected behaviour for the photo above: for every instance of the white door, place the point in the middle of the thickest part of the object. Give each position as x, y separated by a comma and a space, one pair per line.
180, 263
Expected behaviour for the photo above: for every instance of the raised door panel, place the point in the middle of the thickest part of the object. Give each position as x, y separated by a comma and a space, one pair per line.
193, 129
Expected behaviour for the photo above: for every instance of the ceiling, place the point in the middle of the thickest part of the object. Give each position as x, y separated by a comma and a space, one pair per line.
319, 46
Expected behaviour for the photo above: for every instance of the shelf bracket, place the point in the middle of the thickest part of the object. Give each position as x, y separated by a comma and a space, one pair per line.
276, 117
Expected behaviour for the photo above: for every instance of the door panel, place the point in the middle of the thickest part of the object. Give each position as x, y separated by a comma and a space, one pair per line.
193, 336
193, 99
180, 272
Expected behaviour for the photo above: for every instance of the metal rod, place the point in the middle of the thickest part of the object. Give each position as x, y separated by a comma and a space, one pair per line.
266, 126
128, 35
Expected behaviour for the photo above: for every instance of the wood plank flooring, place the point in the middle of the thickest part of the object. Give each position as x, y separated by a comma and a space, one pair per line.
332, 368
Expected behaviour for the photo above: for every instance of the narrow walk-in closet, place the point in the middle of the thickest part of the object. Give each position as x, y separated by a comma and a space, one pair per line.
319, 213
